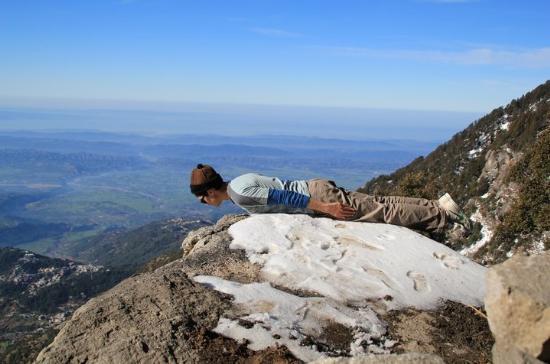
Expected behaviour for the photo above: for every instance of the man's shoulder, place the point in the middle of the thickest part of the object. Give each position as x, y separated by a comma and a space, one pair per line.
244, 180
242, 190
248, 175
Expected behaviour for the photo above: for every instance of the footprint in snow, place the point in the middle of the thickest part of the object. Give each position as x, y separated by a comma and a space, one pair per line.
353, 240
340, 226
448, 261
385, 237
372, 288
380, 275
420, 283
292, 237
304, 259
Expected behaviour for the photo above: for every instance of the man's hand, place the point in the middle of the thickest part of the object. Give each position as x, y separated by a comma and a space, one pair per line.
337, 210
340, 211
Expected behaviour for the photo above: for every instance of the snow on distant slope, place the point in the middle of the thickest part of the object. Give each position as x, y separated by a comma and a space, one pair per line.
486, 234
353, 266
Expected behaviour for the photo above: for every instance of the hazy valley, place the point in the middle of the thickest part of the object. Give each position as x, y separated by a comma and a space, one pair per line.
59, 190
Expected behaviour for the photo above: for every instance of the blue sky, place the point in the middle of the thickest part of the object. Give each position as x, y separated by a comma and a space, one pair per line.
458, 55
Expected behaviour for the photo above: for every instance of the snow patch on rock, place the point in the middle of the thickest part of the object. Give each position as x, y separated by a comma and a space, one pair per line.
537, 247
271, 316
357, 269
486, 235
480, 144
474, 152
502, 124
353, 262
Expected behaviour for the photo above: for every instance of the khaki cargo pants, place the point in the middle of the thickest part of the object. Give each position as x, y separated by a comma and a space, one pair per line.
415, 213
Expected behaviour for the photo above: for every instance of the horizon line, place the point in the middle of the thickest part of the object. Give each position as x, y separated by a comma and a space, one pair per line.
153, 105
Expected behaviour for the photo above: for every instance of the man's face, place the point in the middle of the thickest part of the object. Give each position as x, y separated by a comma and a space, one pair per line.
213, 197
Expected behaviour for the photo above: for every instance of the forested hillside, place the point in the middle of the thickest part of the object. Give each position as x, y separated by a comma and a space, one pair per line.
498, 168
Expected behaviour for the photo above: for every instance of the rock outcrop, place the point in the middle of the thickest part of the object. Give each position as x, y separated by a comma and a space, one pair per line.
162, 316
206, 251
146, 318
518, 308
215, 304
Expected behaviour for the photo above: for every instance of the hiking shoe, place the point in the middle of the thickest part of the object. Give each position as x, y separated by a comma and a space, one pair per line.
460, 219
454, 213
447, 203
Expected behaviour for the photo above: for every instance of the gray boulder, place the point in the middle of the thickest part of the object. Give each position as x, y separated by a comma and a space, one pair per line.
206, 252
203, 237
409, 358
512, 355
146, 318
163, 316
518, 307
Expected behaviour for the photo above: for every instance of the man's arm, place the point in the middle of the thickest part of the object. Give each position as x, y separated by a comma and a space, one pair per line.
259, 195
336, 209
298, 200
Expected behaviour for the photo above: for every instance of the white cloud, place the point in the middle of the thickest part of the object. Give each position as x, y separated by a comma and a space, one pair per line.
273, 32
530, 58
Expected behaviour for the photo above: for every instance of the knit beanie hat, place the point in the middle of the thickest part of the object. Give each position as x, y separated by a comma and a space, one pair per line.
204, 177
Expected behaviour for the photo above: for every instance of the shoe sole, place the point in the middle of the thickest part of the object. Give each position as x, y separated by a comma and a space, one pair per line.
447, 203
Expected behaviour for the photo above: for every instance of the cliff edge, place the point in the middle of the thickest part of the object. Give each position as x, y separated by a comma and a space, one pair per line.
284, 288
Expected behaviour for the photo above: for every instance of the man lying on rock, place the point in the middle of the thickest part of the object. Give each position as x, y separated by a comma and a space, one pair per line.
256, 193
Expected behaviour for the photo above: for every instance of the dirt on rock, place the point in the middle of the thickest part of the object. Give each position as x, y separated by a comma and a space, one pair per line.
455, 332
216, 348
